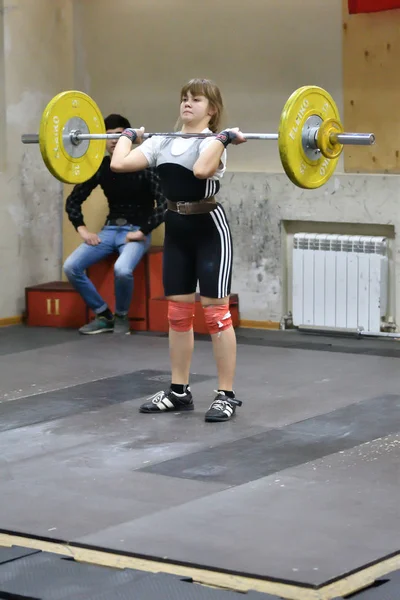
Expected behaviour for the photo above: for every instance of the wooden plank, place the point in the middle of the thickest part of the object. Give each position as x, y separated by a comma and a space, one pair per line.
371, 82
238, 583
251, 324
11, 321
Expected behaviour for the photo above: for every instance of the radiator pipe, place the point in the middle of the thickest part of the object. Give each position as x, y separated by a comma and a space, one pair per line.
359, 331
380, 334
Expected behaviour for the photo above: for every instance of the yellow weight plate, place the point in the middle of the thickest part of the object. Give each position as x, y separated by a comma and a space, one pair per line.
328, 148
306, 169
66, 111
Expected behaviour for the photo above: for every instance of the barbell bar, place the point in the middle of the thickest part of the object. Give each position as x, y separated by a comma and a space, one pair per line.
354, 139
77, 136
72, 137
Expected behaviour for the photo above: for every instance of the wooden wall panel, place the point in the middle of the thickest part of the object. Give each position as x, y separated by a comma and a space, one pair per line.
371, 82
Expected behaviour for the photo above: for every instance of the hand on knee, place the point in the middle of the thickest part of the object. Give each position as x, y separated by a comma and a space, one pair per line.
217, 318
181, 315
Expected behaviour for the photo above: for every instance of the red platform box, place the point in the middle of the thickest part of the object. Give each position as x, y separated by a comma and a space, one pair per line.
54, 304
154, 272
102, 276
158, 314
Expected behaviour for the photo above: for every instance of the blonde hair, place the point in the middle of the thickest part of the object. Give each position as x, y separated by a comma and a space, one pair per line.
207, 88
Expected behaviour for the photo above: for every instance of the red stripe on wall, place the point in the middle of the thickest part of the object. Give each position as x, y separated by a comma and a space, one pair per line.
368, 6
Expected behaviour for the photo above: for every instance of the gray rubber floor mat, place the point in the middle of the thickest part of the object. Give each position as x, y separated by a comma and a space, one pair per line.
15, 552
253, 457
93, 395
54, 577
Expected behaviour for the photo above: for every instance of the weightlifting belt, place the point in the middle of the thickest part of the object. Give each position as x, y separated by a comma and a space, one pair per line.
193, 208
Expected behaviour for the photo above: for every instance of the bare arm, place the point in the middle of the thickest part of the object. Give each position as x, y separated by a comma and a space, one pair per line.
125, 159
210, 159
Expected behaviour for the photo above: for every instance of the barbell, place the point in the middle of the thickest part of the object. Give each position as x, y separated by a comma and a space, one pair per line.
72, 137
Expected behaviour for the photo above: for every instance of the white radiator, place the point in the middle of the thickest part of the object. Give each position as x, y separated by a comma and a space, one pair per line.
339, 281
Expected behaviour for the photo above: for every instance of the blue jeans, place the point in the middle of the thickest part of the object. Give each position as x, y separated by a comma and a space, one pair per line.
112, 240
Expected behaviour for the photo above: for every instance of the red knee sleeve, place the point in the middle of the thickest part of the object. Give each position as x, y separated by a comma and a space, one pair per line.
218, 318
180, 315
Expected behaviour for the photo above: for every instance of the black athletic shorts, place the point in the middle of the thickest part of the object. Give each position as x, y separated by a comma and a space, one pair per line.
197, 248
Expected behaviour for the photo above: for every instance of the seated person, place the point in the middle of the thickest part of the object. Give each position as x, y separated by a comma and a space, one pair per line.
136, 207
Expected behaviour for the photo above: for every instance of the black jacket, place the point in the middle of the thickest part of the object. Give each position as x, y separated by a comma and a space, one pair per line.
136, 197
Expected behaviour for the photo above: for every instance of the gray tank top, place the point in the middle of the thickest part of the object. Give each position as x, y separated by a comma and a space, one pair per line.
185, 159
178, 183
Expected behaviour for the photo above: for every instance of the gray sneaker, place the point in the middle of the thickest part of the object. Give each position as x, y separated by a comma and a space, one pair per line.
98, 325
121, 325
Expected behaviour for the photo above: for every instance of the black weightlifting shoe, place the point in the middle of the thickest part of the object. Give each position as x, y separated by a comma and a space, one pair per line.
168, 402
222, 408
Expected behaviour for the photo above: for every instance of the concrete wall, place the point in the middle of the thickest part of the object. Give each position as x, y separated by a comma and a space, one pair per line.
347, 204
258, 51
36, 60
132, 57
250, 48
